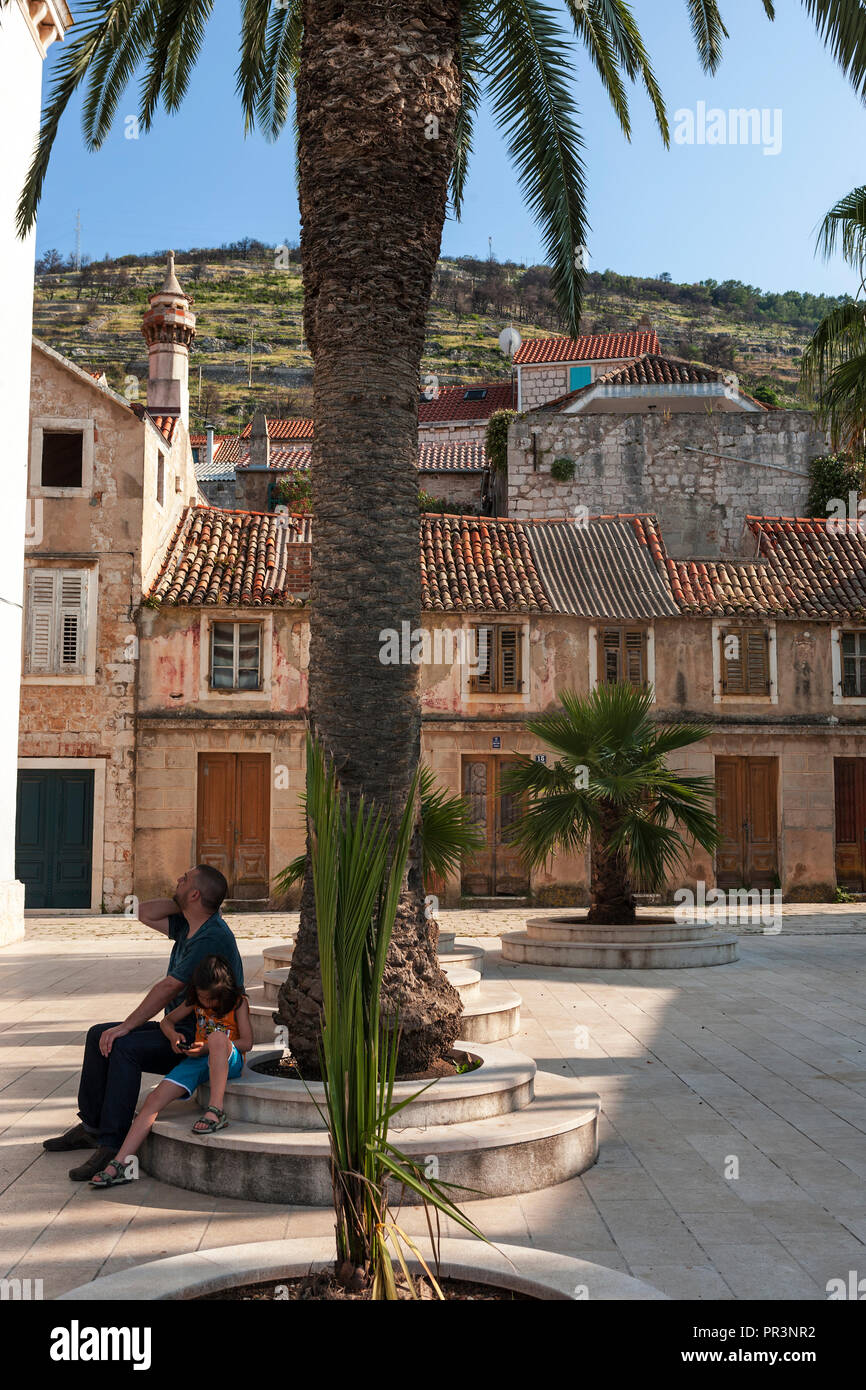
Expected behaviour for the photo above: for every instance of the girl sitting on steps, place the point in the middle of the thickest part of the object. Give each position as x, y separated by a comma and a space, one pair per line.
223, 1033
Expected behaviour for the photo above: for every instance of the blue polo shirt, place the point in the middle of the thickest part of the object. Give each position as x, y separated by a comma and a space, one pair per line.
213, 938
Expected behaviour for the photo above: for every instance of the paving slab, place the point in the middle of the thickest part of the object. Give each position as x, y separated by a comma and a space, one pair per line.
764, 1061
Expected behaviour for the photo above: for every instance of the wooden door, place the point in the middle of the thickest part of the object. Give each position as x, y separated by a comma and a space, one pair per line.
497, 870
746, 810
54, 837
234, 817
850, 776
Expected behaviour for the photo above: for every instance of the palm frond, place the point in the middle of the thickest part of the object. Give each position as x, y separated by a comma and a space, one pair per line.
845, 226
173, 55
709, 32
842, 26
98, 23
255, 15
611, 35
448, 831
530, 83
471, 58
279, 68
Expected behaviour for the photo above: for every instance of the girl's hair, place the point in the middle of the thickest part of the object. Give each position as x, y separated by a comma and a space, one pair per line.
213, 976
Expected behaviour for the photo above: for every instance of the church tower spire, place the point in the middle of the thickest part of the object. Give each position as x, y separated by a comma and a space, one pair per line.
168, 329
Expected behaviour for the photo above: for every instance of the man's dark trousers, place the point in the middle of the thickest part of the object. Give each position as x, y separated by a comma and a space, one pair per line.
109, 1086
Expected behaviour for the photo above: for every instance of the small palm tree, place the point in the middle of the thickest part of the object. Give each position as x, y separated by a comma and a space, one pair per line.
833, 369
611, 785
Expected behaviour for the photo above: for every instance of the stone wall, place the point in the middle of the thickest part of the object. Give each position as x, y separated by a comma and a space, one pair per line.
648, 463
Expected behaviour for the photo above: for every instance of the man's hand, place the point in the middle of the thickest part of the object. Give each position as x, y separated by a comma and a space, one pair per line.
107, 1039
196, 1050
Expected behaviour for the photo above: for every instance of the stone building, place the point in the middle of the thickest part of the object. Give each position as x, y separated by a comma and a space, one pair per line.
548, 368
701, 472
111, 480
29, 28
765, 650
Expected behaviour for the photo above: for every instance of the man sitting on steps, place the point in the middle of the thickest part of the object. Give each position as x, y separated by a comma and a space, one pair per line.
116, 1054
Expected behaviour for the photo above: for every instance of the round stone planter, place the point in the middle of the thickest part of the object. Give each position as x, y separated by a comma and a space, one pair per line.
655, 943
503, 1129
539, 1273
503, 1082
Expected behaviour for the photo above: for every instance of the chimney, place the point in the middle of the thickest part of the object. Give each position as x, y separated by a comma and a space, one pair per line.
168, 329
260, 444
209, 450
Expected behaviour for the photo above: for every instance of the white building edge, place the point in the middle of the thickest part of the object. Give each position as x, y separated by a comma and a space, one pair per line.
27, 30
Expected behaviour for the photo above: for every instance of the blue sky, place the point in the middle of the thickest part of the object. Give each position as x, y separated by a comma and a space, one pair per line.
696, 210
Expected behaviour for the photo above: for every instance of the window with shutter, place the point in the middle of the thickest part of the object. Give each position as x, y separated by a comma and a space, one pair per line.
854, 665
500, 669
745, 661
623, 656
56, 622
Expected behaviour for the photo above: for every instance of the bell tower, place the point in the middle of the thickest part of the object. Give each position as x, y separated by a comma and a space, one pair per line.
168, 329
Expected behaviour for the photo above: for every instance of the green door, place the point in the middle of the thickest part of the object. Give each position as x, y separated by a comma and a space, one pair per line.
54, 837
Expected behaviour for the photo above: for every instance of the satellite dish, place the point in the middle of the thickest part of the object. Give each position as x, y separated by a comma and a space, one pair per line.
509, 341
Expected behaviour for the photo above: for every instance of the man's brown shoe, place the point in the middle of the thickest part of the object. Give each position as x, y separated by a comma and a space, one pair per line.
75, 1138
92, 1165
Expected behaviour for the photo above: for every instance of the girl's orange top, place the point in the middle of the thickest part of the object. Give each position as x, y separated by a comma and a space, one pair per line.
207, 1023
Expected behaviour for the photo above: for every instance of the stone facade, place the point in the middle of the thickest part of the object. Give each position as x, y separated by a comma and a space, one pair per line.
114, 529
701, 474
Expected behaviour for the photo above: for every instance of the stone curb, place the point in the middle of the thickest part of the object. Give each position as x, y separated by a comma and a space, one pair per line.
557, 1278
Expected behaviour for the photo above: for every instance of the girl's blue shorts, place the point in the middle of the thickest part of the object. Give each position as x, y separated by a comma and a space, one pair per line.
192, 1071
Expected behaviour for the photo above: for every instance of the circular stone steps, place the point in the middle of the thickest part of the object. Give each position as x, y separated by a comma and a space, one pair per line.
573, 942
278, 957
503, 1083
470, 956
549, 1140
445, 941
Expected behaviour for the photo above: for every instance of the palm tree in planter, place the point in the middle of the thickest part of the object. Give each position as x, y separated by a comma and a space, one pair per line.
387, 93
611, 786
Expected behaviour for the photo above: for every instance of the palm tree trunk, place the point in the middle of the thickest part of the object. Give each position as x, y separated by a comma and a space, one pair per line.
612, 899
377, 79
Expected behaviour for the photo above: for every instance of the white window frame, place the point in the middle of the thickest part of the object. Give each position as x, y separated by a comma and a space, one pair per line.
836, 635
719, 697
86, 676
237, 697
48, 424
594, 634
509, 697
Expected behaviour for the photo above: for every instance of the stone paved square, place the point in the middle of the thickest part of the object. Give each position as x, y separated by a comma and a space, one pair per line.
733, 1127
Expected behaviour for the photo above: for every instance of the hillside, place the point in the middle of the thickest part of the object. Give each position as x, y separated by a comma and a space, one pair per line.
94, 316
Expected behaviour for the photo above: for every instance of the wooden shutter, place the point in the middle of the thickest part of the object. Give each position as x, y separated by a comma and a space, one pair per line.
733, 670
57, 620
73, 593
611, 656
623, 656
635, 665
747, 672
509, 659
41, 620
485, 654
758, 662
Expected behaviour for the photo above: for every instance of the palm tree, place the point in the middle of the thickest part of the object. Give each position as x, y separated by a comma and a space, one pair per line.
387, 93
833, 369
611, 786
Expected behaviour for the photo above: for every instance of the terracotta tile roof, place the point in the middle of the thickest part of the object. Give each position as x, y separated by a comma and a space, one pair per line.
466, 457
166, 424
478, 565
451, 403
605, 347
801, 570
279, 428
608, 567
234, 559
654, 370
